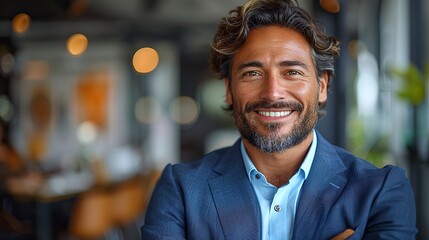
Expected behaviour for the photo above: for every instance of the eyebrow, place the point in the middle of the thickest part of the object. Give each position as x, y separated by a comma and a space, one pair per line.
293, 63
250, 64
282, 64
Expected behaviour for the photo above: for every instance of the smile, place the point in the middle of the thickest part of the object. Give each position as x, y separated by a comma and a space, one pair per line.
274, 114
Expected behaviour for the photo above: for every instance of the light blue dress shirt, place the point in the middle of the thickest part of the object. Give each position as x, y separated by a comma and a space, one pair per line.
278, 205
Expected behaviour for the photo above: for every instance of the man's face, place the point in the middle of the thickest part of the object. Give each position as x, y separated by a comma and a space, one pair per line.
274, 89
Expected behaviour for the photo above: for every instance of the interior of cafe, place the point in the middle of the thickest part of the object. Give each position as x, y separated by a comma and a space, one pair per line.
97, 96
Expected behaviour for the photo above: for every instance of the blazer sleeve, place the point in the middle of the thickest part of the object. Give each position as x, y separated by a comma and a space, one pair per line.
393, 213
164, 217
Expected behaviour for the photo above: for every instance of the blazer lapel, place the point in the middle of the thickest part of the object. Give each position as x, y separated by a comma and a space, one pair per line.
319, 192
234, 198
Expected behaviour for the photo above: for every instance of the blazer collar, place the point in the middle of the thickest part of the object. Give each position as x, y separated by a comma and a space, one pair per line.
234, 197
319, 192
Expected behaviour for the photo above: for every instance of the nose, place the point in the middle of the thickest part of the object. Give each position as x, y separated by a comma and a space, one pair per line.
272, 89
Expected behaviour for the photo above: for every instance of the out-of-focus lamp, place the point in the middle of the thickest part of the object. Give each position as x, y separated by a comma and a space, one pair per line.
331, 6
145, 60
77, 44
147, 110
184, 110
21, 23
87, 132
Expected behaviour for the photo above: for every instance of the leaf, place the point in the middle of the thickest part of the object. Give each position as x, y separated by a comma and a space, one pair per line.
413, 86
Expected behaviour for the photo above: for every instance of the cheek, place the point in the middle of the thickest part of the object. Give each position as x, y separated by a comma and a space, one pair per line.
301, 90
241, 94
307, 94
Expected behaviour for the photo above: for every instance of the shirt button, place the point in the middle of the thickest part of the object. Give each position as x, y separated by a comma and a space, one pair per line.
258, 176
277, 208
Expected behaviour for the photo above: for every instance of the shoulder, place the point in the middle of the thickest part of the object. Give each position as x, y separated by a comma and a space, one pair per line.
374, 201
203, 167
340, 158
363, 170
387, 195
357, 169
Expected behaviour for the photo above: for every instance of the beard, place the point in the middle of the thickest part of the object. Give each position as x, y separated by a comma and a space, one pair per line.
274, 141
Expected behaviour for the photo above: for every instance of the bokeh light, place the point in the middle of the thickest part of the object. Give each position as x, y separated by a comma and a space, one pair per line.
211, 95
78, 8
21, 23
7, 62
145, 60
87, 132
147, 110
331, 6
6, 108
77, 44
184, 110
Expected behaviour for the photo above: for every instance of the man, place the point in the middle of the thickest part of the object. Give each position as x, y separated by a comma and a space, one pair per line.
282, 179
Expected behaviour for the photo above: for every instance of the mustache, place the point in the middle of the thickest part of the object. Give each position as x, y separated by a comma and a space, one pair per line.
296, 106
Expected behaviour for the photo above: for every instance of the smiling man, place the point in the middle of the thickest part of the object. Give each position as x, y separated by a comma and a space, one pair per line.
281, 179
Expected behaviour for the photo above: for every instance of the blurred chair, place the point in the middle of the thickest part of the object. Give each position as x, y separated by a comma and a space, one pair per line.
127, 201
112, 208
91, 215
11, 226
127, 206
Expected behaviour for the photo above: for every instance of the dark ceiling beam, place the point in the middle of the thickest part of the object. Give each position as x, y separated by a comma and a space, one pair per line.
151, 5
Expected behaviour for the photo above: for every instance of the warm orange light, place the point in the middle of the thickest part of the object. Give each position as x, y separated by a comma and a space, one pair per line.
145, 60
77, 8
21, 23
331, 6
77, 44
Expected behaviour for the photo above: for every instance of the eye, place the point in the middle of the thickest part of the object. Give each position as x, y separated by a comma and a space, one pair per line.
250, 75
293, 72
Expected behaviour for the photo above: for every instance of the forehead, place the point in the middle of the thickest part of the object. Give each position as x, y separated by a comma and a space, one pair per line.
274, 43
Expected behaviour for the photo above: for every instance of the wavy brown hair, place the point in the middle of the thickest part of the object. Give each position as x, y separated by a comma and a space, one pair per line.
234, 29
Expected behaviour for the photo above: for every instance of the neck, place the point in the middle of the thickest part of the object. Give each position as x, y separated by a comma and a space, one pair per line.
278, 168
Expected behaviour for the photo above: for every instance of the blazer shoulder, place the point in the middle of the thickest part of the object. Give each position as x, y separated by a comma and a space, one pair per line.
363, 170
204, 166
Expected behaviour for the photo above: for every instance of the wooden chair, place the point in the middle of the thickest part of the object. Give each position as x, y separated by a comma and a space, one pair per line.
10, 224
130, 198
112, 207
91, 216
150, 181
127, 201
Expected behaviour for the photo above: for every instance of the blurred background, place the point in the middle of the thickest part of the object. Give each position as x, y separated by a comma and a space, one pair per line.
97, 96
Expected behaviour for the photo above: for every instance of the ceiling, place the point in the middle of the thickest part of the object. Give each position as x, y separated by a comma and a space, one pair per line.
192, 23
158, 16
181, 11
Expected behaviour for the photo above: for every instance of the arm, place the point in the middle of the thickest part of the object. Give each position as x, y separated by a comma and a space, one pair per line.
165, 213
393, 213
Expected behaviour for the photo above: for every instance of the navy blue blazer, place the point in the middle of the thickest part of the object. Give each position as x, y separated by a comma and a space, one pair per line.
213, 199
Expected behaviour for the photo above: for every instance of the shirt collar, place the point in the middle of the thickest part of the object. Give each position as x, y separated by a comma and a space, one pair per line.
305, 166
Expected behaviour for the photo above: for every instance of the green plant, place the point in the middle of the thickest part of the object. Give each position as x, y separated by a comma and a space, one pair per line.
414, 84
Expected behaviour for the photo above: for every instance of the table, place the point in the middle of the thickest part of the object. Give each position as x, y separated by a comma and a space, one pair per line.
59, 189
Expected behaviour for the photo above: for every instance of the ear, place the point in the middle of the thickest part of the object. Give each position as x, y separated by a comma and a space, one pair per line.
323, 87
228, 96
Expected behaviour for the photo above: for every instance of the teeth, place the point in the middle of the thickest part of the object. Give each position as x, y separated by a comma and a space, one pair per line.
275, 114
